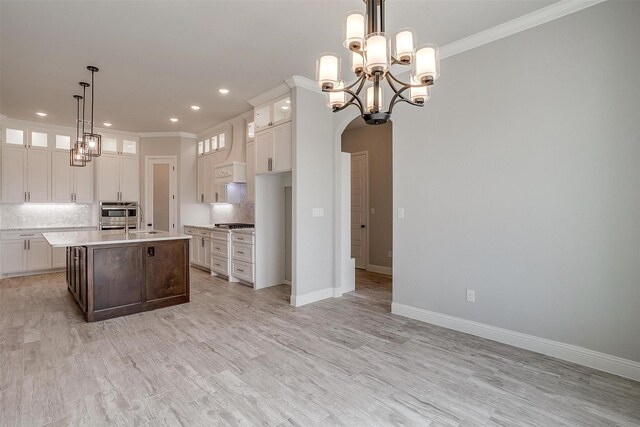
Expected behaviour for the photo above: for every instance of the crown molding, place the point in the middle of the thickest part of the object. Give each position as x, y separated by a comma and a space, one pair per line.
517, 25
267, 96
167, 134
299, 81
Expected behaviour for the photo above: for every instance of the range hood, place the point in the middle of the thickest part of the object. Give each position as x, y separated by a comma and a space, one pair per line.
234, 172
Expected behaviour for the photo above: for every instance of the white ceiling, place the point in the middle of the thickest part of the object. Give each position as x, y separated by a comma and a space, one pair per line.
157, 58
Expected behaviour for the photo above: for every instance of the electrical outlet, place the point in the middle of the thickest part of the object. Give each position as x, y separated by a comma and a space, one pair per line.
390, 254
373, 211
471, 295
317, 212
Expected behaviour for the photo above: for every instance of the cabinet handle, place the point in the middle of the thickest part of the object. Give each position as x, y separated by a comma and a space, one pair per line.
201, 198
202, 242
216, 196
25, 196
29, 193
241, 253
28, 245
270, 164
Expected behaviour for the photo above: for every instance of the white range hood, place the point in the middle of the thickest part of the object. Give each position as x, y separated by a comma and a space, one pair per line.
234, 172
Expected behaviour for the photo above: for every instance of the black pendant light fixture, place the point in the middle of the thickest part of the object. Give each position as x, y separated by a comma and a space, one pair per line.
75, 157
92, 140
371, 61
80, 144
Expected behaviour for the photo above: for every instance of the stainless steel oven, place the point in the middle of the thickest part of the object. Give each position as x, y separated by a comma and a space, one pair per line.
113, 216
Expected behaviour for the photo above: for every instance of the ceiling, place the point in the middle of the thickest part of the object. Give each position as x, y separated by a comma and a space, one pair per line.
157, 58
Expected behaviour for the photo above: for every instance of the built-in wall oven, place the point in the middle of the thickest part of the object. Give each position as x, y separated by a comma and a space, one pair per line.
113, 215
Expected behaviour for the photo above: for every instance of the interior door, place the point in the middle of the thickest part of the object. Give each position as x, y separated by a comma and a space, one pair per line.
359, 209
160, 204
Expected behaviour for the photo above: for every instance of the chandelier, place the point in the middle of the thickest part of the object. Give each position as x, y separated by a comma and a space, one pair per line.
371, 61
87, 144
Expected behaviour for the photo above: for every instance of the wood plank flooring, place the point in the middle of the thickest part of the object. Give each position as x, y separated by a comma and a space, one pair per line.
234, 356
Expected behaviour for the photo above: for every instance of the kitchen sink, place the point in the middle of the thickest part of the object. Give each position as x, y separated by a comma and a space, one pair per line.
145, 232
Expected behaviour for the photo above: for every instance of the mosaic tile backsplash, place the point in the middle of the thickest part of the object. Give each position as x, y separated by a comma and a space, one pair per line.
240, 212
46, 215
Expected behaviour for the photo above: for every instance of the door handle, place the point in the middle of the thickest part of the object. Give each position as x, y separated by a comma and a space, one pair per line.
29, 195
363, 226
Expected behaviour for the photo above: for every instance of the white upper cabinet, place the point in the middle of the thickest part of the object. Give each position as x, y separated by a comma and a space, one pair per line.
215, 142
273, 149
251, 172
14, 174
126, 147
118, 178
71, 184
273, 113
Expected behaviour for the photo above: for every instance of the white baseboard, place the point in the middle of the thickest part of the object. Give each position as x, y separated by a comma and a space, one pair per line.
582, 356
379, 269
300, 300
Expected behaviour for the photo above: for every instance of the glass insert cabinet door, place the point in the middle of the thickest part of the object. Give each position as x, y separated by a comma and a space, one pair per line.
14, 137
39, 139
109, 145
282, 110
129, 147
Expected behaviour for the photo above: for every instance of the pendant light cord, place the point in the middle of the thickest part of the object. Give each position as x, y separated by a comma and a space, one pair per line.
92, 73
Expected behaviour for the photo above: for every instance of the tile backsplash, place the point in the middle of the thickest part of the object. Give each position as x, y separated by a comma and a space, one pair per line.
237, 212
43, 215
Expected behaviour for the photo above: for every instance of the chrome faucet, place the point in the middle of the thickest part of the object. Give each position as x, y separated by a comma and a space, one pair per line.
126, 216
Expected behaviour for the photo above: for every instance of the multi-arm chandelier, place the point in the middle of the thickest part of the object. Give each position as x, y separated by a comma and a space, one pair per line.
371, 60
87, 144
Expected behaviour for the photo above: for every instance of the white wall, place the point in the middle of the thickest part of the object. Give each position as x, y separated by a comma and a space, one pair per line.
313, 187
520, 180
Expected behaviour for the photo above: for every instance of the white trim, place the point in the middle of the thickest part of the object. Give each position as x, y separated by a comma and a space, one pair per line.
366, 208
267, 96
517, 25
52, 127
300, 300
593, 359
167, 134
303, 82
379, 269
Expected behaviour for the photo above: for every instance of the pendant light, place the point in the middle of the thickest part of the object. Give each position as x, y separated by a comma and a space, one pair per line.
92, 140
80, 144
75, 157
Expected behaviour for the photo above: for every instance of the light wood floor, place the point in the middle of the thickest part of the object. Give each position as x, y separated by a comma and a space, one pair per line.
234, 356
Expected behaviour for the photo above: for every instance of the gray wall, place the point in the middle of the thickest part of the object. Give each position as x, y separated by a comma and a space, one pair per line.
376, 140
520, 180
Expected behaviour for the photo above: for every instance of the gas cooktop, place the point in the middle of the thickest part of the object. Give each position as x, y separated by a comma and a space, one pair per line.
233, 225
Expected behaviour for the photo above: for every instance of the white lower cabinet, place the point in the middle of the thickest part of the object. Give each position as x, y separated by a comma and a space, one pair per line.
25, 255
243, 268
13, 256
220, 240
199, 247
59, 257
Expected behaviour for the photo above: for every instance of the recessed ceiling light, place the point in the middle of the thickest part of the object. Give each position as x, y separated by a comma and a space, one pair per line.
195, 107
288, 101
223, 91
41, 114
173, 119
107, 124
285, 107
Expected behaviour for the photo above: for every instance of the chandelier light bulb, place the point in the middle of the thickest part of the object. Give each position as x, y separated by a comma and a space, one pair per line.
355, 32
337, 99
328, 71
405, 45
357, 62
420, 94
377, 53
427, 63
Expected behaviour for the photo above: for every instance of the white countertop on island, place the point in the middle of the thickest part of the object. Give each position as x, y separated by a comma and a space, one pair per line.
110, 237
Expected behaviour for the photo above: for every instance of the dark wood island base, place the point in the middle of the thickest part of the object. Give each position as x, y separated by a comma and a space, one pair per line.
119, 279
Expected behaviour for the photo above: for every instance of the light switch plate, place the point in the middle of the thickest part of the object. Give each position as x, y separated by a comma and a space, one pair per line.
400, 212
373, 211
317, 212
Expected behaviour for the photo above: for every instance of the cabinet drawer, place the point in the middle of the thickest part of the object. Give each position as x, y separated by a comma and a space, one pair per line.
243, 270
188, 230
205, 233
219, 247
220, 265
22, 235
244, 238
220, 235
242, 251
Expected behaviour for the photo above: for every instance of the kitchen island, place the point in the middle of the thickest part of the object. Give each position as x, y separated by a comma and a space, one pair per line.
113, 273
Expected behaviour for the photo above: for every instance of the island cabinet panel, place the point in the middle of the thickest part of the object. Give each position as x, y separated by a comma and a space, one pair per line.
119, 279
167, 266
118, 275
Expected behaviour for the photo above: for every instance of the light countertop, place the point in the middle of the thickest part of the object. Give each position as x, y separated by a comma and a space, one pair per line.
110, 237
43, 228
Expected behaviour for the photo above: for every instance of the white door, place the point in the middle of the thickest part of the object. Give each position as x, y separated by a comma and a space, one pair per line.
12, 255
359, 209
160, 200
129, 179
264, 151
38, 255
61, 177
83, 179
14, 183
108, 176
38, 173
282, 147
